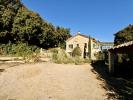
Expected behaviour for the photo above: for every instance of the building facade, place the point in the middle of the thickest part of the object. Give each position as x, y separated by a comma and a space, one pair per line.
88, 46
106, 45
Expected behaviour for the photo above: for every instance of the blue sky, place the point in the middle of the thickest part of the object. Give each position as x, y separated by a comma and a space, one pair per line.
98, 18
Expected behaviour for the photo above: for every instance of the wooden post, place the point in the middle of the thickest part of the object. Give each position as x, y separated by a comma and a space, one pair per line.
111, 62
41, 52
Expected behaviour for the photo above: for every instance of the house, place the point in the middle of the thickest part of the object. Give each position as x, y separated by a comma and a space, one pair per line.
88, 45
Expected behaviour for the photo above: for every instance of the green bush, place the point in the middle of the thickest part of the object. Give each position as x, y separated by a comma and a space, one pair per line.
60, 56
76, 52
21, 49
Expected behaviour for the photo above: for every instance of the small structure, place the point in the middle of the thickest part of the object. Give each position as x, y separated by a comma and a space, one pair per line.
106, 45
89, 46
123, 48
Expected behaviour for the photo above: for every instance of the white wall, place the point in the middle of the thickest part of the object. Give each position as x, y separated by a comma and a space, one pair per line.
77, 40
94, 49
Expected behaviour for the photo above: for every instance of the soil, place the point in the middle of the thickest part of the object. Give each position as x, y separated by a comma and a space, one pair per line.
49, 81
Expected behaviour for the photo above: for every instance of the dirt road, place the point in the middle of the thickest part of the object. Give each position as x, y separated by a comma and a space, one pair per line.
46, 81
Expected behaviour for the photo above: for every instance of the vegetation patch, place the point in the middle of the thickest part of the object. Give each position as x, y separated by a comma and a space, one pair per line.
20, 50
76, 52
19, 24
60, 56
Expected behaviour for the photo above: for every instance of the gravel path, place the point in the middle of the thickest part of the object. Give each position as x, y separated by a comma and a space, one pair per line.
46, 81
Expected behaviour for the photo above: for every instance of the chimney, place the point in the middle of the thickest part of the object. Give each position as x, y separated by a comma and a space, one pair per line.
78, 32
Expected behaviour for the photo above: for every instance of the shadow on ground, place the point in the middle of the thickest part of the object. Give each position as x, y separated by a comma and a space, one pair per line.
2, 70
122, 86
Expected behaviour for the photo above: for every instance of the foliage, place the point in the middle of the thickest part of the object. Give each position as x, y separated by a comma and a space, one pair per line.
76, 52
27, 27
60, 56
99, 55
29, 53
19, 24
54, 50
78, 60
20, 49
124, 35
8, 11
62, 35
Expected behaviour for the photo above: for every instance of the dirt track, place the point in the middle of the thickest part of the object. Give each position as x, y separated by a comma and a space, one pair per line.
45, 81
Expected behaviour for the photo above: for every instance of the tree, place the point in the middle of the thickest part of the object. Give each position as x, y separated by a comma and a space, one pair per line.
27, 26
8, 10
19, 24
62, 35
76, 51
124, 35
49, 36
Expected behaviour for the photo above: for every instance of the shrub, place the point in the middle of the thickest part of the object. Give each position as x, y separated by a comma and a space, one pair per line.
78, 60
62, 57
87, 60
76, 52
54, 50
21, 49
32, 58
99, 55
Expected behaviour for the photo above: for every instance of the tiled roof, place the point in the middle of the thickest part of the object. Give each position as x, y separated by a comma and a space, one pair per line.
122, 45
94, 40
77, 35
83, 35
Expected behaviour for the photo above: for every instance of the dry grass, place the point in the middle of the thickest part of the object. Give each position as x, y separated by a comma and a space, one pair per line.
61, 57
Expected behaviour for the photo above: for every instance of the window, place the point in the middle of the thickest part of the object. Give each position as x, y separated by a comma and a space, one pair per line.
94, 45
85, 45
71, 46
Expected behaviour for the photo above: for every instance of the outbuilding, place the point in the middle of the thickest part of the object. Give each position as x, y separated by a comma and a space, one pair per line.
119, 49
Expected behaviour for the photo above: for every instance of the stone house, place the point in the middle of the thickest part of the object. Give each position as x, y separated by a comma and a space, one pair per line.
88, 45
